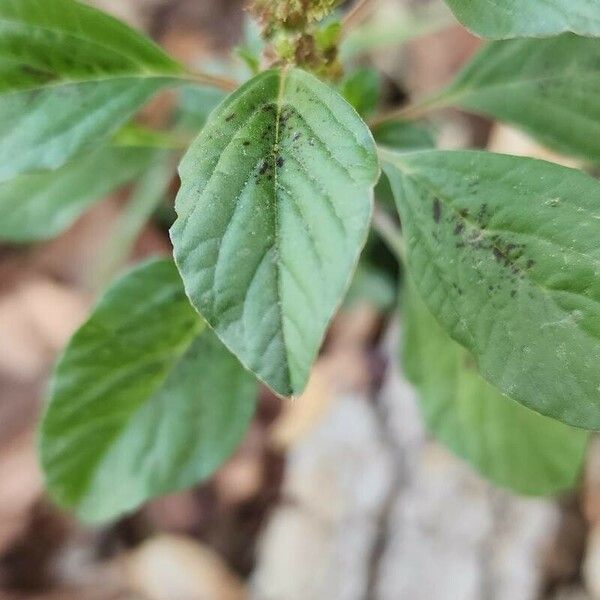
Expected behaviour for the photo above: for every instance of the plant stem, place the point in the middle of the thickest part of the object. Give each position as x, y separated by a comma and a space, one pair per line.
357, 14
148, 193
221, 83
410, 112
390, 233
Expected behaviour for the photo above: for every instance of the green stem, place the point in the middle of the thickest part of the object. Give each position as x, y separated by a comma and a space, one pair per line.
147, 195
413, 112
390, 233
357, 14
134, 135
221, 83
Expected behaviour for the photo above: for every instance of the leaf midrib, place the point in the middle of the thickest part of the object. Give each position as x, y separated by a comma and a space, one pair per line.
175, 355
146, 72
278, 109
93, 42
122, 76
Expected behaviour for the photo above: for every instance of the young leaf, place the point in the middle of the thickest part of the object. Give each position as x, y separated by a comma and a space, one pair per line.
273, 211
549, 88
506, 442
504, 251
361, 89
144, 401
403, 135
502, 19
39, 206
69, 76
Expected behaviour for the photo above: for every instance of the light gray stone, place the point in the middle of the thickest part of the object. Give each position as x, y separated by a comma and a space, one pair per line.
376, 509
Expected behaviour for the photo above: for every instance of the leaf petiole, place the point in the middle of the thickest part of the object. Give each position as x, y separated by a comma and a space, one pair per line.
390, 233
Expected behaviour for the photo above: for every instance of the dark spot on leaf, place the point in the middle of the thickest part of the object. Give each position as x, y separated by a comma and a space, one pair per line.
39, 74
246, 143
469, 362
264, 167
459, 228
229, 117
279, 161
437, 210
483, 216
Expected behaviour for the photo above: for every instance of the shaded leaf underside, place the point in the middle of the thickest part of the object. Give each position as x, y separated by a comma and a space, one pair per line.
38, 206
509, 444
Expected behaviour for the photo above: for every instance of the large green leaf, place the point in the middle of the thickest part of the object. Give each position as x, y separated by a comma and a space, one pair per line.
505, 253
37, 206
69, 75
144, 401
549, 88
528, 18
273, 211
508, 443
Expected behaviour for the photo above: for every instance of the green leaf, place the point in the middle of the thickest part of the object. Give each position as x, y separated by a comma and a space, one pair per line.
403, 135
144, 401
549, 88
504, 251
502, 19
69, 76
148, 194
506, 442
273, 211
361, 89
39, 206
